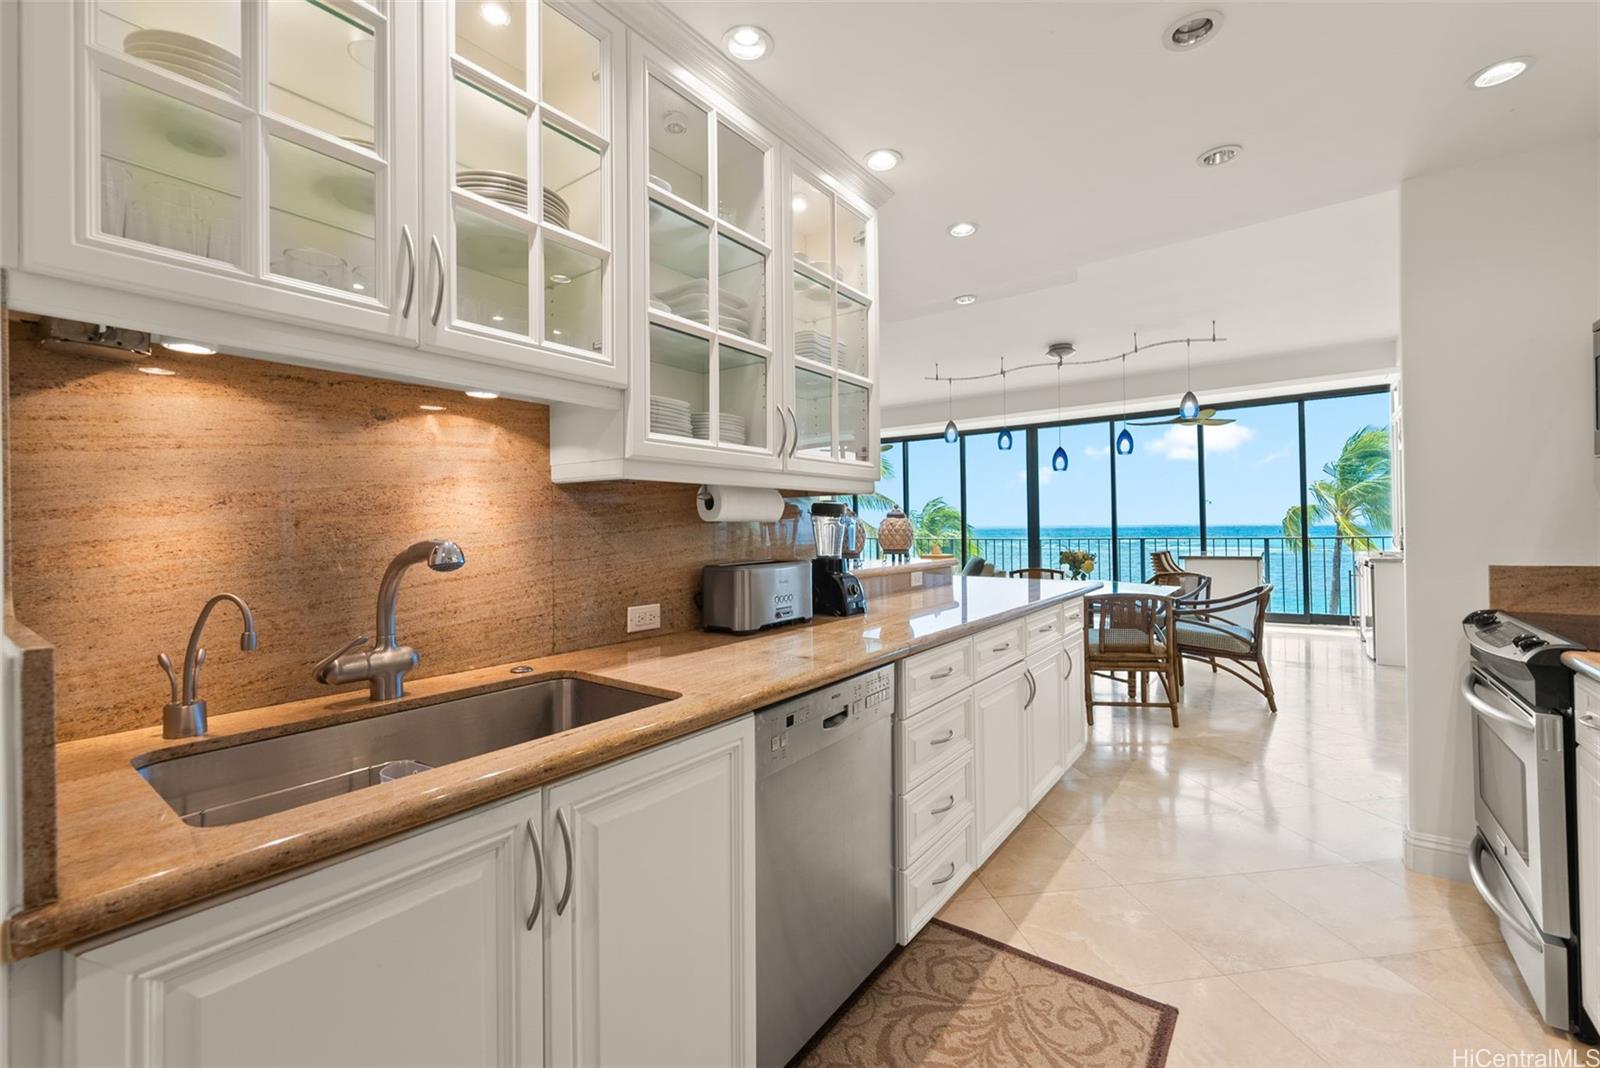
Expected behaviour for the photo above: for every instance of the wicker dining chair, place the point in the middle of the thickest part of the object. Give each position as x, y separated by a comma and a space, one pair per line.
1130, 632
1201, 632
1162, 560
1039, 573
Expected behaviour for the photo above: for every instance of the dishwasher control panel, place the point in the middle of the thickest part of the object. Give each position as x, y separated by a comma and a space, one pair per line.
804, 725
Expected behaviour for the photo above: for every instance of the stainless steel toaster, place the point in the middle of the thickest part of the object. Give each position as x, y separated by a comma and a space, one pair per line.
748, 597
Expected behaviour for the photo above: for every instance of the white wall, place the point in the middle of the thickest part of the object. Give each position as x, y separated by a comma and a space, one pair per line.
1499, 283
1031, 395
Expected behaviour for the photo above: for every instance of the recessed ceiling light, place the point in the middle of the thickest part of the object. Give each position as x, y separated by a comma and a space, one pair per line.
967, 298
748, 43
1216, 157
1500, 73
962, 229
495, 14
431, 407
799, 203
1189, 32
481, 394
156, 371
184, 345
883, 159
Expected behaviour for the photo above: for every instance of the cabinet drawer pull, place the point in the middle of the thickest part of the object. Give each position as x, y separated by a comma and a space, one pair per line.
538, 876
566, 845
948, 735
410, 249
1047, 628
944, 673
1002, 647
438, 262
950, 803
945, 878
1589, 719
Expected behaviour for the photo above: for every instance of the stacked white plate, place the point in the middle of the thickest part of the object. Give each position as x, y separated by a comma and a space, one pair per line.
734, 431
669, 416
815, 346
693, 303
510, 189
198, 60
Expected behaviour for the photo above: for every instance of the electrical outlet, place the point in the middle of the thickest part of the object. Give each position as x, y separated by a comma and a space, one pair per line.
916, 578
644, 617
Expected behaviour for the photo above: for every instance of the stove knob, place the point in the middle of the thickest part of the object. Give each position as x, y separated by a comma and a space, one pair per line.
1483, 617
1528, 642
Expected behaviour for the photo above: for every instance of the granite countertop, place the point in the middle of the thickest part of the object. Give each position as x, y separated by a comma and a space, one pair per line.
124, 856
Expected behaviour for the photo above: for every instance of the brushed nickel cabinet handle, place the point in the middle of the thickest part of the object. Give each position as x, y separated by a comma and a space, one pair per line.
949, 804
944, 879
410, 249
1001, 647
1588, 719
438, 262
566, 845
948, 735
1070, 663
1033, 689
795, 444
945, 674
538, 876
783, 425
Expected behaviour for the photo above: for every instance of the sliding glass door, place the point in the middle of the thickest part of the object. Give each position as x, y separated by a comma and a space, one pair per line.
1252, 495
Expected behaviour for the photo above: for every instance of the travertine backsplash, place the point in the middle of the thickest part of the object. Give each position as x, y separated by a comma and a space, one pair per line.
134, 498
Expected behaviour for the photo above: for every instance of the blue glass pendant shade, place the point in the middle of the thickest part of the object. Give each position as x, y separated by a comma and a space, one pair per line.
950, 432
1005, 440
1189, 407
1058, 461
1125, 442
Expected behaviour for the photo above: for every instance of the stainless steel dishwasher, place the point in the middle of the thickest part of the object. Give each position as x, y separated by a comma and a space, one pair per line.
824, 855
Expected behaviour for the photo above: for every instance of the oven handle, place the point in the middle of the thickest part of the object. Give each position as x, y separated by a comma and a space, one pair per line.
1469, 692
1475, 869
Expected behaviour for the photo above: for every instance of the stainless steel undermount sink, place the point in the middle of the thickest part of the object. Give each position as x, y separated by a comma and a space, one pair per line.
242, 782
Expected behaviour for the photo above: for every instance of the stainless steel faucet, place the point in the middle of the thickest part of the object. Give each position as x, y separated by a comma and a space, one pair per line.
384, 666
185, 715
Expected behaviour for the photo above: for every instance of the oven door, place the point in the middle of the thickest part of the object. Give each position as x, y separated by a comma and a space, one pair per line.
1520, 796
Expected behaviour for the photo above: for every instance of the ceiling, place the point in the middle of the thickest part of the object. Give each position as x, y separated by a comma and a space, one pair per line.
1068, 133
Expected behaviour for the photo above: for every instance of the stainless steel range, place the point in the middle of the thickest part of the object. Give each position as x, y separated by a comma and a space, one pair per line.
1523, 859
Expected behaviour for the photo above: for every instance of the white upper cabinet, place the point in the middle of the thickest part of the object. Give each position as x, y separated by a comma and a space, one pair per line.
253, 156
520, 104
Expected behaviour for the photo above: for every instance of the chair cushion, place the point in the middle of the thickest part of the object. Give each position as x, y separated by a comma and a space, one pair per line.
1218, 634
1124, 640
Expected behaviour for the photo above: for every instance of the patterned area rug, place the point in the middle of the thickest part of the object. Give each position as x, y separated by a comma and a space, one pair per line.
953, 997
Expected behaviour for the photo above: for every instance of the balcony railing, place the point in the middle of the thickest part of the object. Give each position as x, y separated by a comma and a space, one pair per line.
1333, 565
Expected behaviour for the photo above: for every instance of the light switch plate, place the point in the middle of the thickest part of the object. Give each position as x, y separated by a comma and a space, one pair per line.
644, 617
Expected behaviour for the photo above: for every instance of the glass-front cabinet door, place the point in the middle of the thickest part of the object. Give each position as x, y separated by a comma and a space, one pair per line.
704, 383
232, 152
522, 213
831, 330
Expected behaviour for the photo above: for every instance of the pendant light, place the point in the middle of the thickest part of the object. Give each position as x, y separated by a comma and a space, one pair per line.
1189, 407
1058, 459
1004, 441
1125, 439
951, 434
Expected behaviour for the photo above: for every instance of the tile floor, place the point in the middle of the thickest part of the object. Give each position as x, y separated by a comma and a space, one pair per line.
1246, 868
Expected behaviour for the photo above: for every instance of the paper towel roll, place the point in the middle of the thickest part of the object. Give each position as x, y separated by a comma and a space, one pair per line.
739, 504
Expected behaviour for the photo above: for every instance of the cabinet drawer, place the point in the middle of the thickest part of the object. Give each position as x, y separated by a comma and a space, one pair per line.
927, 678
999, 647
1044, 628
934, 740
1586, 711
1072, 616
935, 879
933, 808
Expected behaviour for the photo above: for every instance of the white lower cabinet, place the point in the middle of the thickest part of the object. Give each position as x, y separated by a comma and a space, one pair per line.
1587, 769
433, 950
1001, 749
981, 735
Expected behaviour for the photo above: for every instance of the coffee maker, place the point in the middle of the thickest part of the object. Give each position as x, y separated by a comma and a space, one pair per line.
834, 590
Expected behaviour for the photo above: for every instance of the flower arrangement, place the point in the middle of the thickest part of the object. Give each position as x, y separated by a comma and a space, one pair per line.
1078, 561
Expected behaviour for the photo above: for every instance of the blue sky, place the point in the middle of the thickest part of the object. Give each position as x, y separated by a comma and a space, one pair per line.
1252, 469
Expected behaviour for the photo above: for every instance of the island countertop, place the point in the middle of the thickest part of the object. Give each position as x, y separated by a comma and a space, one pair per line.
125, 856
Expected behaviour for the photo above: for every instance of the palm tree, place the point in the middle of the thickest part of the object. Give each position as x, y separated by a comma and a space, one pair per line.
938, 522
1353, 495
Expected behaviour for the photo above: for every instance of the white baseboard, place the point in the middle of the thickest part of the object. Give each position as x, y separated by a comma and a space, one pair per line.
1436, 854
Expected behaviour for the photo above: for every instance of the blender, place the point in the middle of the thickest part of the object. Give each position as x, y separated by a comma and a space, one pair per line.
834, 591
